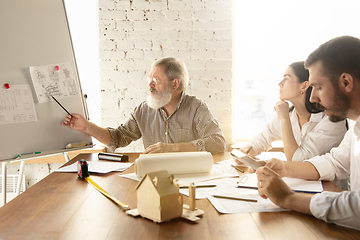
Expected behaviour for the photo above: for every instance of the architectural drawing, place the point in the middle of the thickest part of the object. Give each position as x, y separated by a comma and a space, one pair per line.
56, 80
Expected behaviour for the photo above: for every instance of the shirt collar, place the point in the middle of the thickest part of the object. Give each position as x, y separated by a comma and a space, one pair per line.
178, 106
314, 117
357, 127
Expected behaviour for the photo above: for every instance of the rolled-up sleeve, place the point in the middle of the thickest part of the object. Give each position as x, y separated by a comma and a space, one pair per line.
124, 134
210, 135
340, 208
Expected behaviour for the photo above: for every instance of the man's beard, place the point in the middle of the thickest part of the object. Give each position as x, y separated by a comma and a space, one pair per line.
159, 99
339, 110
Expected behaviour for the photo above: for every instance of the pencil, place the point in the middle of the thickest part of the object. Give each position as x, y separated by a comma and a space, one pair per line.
199, 186
235, 198
61, 106
238, 168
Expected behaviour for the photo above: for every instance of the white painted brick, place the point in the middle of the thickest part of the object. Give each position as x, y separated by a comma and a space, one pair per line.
112, 35
136, 53
155, 14
223, 34
108, 65
106, 45
158, 5
223, 13
185, 15
224, 54
106, 5
180, 4
140, 5
118, 15
134, 15
204, 34
124, 45
113, 55
198, 5
198, 54
204, 15
124, 25
122, 4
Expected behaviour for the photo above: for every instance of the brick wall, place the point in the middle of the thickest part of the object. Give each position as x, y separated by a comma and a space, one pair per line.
134, 33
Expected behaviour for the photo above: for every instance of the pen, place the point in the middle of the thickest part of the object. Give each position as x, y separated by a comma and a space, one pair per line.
199, 186
19, 155
238, 168
61, 106
235, 198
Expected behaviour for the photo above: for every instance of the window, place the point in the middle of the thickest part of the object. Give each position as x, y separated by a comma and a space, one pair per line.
83, 22
270, 35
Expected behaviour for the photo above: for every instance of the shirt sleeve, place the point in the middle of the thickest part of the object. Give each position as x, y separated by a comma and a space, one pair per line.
124, 134
335, 165
210, 135
324, 136
262, 141
340, 208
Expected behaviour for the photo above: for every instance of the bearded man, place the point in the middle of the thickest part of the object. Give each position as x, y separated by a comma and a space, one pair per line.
168, 121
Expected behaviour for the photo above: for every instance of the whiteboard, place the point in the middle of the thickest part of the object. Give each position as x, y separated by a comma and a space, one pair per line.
36, 33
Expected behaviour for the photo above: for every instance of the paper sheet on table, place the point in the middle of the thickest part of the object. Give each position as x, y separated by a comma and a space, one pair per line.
223, 186
237, 206
97, 167
299, 185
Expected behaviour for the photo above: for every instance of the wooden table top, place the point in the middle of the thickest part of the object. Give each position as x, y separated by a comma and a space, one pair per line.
63, 206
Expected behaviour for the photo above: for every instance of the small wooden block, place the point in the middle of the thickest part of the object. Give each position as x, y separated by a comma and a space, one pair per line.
133, 212
192, 215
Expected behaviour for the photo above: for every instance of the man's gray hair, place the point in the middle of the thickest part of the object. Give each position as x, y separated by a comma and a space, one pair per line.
174, 68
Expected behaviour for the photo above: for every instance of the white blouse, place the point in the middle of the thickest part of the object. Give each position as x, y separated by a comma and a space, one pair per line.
316, 137
340, 208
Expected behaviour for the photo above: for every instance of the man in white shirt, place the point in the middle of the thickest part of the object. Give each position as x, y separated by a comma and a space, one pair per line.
335, 76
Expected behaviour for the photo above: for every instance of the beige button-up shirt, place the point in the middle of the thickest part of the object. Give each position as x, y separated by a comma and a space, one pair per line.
192, 121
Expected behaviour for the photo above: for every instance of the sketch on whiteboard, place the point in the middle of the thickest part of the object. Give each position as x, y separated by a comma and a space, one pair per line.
56, 80
17, 105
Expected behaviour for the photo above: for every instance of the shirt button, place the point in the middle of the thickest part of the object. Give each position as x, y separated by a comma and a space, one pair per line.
166, 133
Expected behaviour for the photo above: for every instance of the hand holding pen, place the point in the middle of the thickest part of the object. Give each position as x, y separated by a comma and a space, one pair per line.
75, 121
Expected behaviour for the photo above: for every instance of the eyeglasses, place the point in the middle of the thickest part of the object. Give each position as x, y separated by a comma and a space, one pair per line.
156, 81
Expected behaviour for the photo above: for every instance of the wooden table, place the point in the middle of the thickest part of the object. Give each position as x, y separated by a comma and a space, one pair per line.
62, 206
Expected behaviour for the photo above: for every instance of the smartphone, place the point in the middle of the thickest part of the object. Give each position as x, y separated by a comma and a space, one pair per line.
249, 161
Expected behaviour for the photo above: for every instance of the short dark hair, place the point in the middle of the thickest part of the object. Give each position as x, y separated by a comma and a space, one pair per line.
338, 55
303, 75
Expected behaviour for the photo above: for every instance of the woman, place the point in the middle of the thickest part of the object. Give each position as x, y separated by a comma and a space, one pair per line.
305, 130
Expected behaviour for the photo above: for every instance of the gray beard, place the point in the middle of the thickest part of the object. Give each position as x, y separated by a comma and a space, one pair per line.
159, 99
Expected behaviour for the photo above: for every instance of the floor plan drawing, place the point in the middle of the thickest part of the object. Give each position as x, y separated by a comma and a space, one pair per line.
56, 80
17, 105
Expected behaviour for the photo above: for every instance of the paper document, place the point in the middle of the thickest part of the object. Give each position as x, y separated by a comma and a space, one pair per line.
56, 80
299, 185
237, 206
223, 186
97, 167
17, 105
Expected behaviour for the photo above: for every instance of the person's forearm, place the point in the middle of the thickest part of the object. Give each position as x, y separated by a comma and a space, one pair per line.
101, 134
185, 147
290, 144
303, 170
299, 202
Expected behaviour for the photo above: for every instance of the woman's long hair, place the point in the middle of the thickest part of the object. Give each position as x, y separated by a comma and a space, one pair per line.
303, 75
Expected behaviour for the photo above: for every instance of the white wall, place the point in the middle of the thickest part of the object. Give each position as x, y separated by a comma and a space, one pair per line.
134, 33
